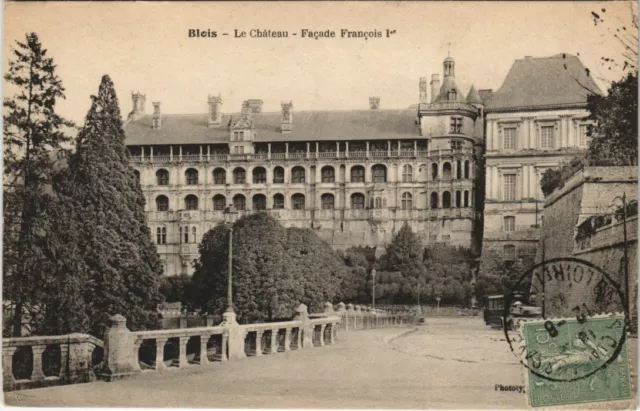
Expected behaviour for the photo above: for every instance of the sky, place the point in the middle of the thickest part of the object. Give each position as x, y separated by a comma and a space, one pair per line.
145, 47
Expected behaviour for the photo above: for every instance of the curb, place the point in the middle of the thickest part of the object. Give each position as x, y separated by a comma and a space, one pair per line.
387, 340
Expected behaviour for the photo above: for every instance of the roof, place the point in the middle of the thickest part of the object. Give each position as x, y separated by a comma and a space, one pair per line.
448, 84
306, 126
545, 82
473, 97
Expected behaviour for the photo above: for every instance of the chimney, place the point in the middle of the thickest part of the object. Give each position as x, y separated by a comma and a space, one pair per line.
255, 105
435, 86
157, 119
245, 111
374, 103
287, 117
423, 90
138, 101
215, 112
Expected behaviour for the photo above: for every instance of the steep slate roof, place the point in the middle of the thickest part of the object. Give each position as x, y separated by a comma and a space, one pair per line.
473, 97
536, 83
307, 126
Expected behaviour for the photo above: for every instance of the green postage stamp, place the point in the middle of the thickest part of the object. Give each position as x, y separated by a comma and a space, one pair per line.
576, 361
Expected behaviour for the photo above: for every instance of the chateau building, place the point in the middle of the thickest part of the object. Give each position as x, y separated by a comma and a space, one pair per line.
353, 176
536, 121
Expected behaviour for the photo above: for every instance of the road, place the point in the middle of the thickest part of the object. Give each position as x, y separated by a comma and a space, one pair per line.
446, 363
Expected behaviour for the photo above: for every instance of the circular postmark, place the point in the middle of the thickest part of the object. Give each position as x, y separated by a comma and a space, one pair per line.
566, 339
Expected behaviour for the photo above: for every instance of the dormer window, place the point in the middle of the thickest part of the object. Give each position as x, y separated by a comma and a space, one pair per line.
456, 125
238, 136
453, 95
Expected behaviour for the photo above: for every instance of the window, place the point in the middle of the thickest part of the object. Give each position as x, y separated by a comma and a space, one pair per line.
259, 175
583, 133
192, 176
278, 202
328, 201
446, 171
466, 198
509, 140
547, 139
278, 175
509, 252
238, 135
161, 235
434, 200
162, 177
407, 202
328, 175
458, 169
239, 176
379, 173
407, 173
357, 174
378, 203
193, 235
219, 202
297, 175
162, 203
219, 176
509, 187
453, 95
456, 125
239, 202
297, 201
357, 201
466, 169
239, 150
510, 223
458, 199
259, 202
434, 171
186, 234
191, 202
446, 199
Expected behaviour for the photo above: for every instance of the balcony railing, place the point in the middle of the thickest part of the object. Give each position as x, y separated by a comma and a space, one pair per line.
297, 156
278, 156
357, 154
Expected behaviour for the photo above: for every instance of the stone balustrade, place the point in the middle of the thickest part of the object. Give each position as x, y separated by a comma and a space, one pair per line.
30, 362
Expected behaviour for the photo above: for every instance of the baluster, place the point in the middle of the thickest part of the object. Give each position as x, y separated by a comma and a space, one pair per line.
223, 346
287, 339
37, 374
136, 352
274, 341
64, 354
322, 327
259, 342
204, 358
299, 339
7, 366
182, 358
160, 342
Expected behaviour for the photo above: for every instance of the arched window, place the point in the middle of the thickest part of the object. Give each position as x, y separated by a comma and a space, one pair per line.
297, 201
446, 171
239, 176
162, 177
137, 174
407, 201
219, 176
434, 200
328, 174
458, 199
186, 234
297, 175
459, 170
191, 202
193, 235
162, 203
466, 169
161, 235
509, 252
278, 202
357, 174
379, 173
434, 171
466, 198
239, 202
278, 175
357, 201
219, 202
259, 202
328, 201
259, 175
378, 202
407, 173
446, 199
192, 176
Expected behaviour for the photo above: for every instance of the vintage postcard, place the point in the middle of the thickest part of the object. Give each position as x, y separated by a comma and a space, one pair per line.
320, 205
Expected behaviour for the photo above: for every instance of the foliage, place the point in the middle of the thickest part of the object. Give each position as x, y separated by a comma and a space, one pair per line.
32, 133
175, 288
104, 250
357, 284
614, 138
552, 179
498, 276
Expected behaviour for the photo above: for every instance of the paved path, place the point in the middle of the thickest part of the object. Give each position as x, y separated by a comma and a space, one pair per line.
447, 363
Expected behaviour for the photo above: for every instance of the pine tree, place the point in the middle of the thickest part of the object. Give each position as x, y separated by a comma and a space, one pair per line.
113, 255
33, 135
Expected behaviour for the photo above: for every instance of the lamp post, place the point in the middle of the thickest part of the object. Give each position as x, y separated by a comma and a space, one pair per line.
625, 257
229, 316
373, 278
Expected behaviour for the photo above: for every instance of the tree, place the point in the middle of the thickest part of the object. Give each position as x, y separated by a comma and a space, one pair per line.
174, 289
33, 133
113, 256
357, 284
